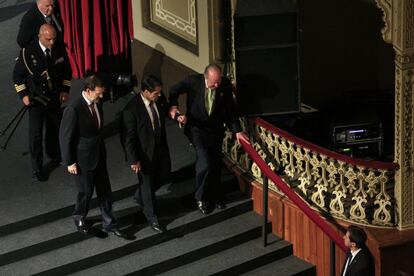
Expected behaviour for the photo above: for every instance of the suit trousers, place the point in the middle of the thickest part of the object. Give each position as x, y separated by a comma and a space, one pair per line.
208, 166
50, 116
149, 180
86, 181
145, 195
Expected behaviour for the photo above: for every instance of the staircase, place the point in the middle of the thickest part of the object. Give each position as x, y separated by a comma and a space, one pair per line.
225, 242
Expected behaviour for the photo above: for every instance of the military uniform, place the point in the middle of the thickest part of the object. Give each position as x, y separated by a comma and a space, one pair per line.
43, 82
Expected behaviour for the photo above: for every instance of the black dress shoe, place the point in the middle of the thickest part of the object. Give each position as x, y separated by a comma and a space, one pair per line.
202, 206
37, 176
157, 227
81, 227
115, 231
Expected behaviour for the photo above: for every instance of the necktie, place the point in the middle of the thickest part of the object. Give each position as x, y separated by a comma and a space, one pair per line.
210, 94
48, 57
94, 115
48, 19
156, 122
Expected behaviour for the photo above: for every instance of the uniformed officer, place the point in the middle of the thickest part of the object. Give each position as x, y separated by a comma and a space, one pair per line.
43, 11
42, 80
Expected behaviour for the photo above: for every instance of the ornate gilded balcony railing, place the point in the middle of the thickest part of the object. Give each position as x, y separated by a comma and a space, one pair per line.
350, 189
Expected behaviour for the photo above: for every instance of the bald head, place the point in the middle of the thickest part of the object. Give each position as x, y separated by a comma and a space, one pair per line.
46, 6
47, 35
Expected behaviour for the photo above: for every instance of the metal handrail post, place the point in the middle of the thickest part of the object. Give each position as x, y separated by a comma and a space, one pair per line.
265, 208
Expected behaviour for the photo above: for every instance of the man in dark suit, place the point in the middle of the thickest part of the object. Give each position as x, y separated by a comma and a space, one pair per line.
359, 260
42, 12
84, 154
145, 142
42, 80
209, 105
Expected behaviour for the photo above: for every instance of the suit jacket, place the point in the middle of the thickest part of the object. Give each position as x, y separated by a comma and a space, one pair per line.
80, 140
361, 265
223, 110
32, 77
139, 139
31, 22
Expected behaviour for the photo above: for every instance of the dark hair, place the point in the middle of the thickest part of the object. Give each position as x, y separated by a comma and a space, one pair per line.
357, 235
92, 81
212, 66
150, 82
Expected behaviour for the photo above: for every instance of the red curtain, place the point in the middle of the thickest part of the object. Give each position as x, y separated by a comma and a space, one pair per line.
97, 34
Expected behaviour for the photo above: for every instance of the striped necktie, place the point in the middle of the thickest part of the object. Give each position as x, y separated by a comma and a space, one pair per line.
156, 122
94, 115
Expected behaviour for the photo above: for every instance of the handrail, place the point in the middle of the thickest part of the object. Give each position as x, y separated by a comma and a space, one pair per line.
335, 155
293, 196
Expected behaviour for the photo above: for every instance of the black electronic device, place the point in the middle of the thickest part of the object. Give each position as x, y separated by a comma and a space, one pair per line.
357, 133
360, 140
363, 150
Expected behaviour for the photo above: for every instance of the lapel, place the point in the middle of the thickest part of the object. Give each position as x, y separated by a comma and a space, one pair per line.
39, 55
142, 113
354, 260
40, 16
201, 97
160, 108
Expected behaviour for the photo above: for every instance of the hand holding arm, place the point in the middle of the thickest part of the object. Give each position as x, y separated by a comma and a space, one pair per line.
172, 111
73, 169
175, 114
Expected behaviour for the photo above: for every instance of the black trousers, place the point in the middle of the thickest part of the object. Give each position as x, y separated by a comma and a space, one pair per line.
49, 116
86, 181
150, 178
145, 195
208, 146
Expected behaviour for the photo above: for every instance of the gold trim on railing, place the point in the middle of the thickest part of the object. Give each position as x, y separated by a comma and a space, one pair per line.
346, 191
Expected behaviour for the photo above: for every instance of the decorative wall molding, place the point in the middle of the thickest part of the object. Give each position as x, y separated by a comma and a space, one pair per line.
404, 59
399, 31
183, 31
185, 25
386, 7
409, 34
405, 195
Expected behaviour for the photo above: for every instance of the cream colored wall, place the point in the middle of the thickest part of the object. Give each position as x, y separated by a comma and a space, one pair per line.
181, 55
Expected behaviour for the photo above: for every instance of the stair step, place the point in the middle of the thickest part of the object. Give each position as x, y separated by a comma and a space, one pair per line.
91, 252
238, 259
57, 214
61, 232
55, 235
185, 249
286, 267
